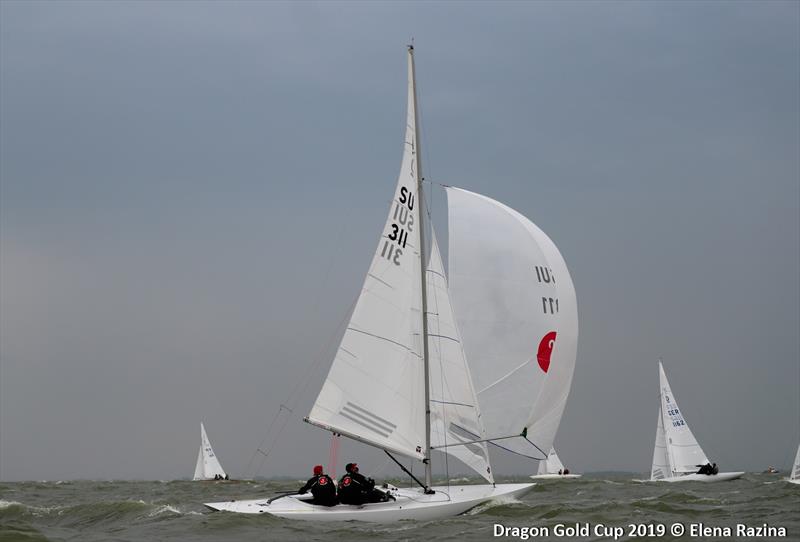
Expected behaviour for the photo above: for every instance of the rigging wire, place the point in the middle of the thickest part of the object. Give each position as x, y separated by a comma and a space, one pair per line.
291, 400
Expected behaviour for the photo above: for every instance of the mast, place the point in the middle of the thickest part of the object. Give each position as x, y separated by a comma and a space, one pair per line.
423, 271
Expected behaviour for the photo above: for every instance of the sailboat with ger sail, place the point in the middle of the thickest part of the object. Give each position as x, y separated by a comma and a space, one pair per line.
208, 466
400, 380
677, 455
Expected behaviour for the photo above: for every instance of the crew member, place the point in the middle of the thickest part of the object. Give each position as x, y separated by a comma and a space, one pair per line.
322, 487
355, 488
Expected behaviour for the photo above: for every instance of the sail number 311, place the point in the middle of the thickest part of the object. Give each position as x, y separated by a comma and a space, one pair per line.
403, 223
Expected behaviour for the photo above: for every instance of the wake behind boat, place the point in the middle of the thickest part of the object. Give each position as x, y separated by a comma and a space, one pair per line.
677, 455
400, 380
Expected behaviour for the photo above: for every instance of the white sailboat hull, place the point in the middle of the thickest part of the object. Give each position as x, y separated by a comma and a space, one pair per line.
793, 481
410, 504
555, 476
721, 477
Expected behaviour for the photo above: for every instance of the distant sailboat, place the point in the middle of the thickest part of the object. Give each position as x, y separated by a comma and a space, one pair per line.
794, 477
207, 467
400, 380
677, 455
552, 469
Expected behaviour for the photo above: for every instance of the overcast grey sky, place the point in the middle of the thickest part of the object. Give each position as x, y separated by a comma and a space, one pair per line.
190, 194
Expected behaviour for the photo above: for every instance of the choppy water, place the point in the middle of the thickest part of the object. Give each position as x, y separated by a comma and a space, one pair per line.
173, 511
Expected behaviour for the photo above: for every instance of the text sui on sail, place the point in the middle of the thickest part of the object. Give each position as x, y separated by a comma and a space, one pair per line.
402, 225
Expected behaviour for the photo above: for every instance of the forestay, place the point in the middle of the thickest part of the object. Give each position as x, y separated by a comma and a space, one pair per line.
207, 466
375, 389
551, 465
516, 308
455, 415
683, 452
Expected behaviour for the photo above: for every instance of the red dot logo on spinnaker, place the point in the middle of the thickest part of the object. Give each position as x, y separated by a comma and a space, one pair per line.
545, 349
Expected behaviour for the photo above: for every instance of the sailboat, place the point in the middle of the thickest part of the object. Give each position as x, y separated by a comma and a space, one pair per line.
400, 380
552, 469
208, 466
794, 477
677, 455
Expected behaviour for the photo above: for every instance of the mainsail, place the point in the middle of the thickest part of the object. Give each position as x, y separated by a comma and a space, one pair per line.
683, 452
551, 465
455, 414
796, 467
207, 466
375, 390
517, 311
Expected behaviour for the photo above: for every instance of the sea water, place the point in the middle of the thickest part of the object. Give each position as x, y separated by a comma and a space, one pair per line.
596, 507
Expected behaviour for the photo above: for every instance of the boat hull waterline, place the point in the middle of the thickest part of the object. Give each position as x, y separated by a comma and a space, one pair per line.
410, 504
721, 477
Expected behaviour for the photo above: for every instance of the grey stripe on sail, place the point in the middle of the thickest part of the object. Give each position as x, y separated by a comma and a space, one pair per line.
354, 415
359, 422
475, 449
377, 419
463, 433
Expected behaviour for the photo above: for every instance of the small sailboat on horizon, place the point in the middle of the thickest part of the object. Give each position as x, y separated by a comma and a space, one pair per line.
208, 466
794, 476
553, 469
400, 380
677, 455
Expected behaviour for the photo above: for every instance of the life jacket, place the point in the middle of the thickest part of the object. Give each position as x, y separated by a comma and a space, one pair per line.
346, 483
325, 487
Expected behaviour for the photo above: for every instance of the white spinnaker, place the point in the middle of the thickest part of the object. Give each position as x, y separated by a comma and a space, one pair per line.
517, 312
683, 451
796, 468
207, 463
551, 465
455, 415
661, 468
375, 388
